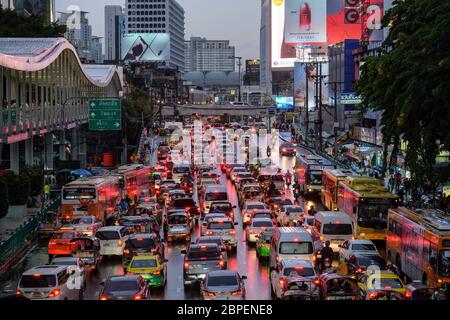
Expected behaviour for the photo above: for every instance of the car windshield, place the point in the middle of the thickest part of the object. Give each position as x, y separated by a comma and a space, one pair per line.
123, 285
386, 283
262, 224
444, 263
366, 261
220, 225
222, 281
256, 207
82, 220
140, 264
216, 196
63, 235
294, 209
296, 248
337, 229
283, 202
137, 243
315, 178
37, 281
176, 219
221, 207
203, 254
363, 247
299, 272
262, 215
183, 203
373, 216
181, 170
65, 262
107, 235
342, 286
278, 177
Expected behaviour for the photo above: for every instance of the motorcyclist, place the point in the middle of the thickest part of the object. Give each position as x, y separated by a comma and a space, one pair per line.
288, 178
296, 187
272, 188
312, 211
326, 253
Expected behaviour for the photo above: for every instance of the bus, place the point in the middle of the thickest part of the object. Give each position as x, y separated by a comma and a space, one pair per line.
308, 173
135, 179
90, 196
330, 182
367, 202
418, 243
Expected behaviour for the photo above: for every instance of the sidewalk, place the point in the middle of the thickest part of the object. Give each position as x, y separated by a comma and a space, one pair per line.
9, 224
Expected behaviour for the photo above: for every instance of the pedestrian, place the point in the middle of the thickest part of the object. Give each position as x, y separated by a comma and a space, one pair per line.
401, 194
46, 191
407, 186
398, 180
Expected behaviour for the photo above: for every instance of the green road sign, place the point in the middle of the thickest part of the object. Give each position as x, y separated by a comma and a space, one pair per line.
105, 114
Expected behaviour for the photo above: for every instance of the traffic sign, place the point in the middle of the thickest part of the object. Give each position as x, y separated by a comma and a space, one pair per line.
105, 114
134, 157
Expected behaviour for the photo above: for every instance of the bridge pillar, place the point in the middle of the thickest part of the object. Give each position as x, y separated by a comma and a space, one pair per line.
48, 159
14, 157
62, 145
83, 148
74, 144
29, 152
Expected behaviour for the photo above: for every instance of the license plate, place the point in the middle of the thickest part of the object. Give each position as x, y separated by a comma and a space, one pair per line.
106, 245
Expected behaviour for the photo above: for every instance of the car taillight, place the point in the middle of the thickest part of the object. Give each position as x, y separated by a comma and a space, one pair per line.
208, 294
126, 251
198, 209
282, 282
233, 232
277, 258
137, 297
19, 293
373, 295
252, 232
91, 228
54, 293
236, 293
360, 270
408, 294
209, 233
186, 265
221, 263
103, 298
321, 238
155, 273
317, 282
119, 242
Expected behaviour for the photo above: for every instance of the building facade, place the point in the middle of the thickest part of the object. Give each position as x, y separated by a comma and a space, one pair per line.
209, 55
45, 8
159, 16
114, 16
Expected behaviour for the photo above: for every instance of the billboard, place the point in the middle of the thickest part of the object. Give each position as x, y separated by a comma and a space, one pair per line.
145, 47
285, 103
305, 75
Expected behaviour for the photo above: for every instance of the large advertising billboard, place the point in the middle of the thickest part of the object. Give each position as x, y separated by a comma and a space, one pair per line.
284, 103
305, 76
145, 47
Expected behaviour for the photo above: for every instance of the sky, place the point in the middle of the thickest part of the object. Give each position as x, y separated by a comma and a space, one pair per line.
234, 20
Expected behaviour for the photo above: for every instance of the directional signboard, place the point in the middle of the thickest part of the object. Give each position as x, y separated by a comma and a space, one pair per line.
105, 114
350, 98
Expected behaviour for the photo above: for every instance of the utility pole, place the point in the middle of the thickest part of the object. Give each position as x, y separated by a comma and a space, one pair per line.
307, 107
320, 107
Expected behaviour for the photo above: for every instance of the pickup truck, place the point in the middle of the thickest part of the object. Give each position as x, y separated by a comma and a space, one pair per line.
200, 259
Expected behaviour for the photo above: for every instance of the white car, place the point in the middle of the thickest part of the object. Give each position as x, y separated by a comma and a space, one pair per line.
112, 240
258, 226
206, 219
73, 264
289, 213
250, 206
235, 172
357, 246
287, 271
308, 222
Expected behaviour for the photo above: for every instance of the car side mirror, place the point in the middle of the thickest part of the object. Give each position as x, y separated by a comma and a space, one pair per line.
183, 251
244, 277
234, 207
165, 260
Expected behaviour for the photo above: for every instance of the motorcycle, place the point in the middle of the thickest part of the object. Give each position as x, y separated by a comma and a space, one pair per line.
269, 153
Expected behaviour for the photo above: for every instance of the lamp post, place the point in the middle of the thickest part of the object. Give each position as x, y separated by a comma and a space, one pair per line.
240, 82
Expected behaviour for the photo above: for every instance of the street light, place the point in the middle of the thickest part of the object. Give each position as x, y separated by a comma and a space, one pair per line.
239, 64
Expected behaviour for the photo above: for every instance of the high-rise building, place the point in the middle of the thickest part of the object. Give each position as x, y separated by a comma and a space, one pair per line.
45, 8
79, 34
252, 72
159, 16
114, 26
209, 55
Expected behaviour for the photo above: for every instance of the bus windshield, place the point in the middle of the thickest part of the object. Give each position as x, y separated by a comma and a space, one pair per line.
315, 178
444, 263
79, 193
373, 216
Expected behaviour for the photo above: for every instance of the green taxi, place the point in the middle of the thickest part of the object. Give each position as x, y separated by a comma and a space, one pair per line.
151, 267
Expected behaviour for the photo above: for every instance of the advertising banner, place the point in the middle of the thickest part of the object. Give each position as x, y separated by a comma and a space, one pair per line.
284, 102
145, 47
307, 76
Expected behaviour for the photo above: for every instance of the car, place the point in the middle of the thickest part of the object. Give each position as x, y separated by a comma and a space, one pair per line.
288, 271
248, 207
85, 225
308, 222
210, 176
245, 181
139, 224
163, 152
173, 195
359, 263
223, 285
142, 244
240, 176
112, 240
217, 240
288, 150
188, 204
357, 246
126, 287
207, 218
258, 226
250, 191
236, 171
230, 166
179, 171
223, 207
179, 226
379, 280
151, 267
60, 244
290, 213
200, 259
49, 282
277, 203
223, 227
73, 264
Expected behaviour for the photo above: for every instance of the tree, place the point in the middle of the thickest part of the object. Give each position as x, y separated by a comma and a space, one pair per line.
13, 24
137, 106
409, 81
4, 203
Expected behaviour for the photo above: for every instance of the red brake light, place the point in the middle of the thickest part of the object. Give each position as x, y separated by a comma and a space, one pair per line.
236, 293
19, 293
233, 232
299, 268
373, 295
103, 298
282, 281
221, 263
36, 275
137, 297
209, 233
139, 239
91, 228
408, 294
54, 293
208, 294
317, 282
186, 265
155, 273
119, 242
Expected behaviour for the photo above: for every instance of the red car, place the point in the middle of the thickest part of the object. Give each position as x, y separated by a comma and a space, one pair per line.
288, 150
60, 243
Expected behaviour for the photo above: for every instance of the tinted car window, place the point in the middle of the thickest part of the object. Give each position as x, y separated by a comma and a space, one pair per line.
41, 281
129, 285
67, 235
183, 203
140, 264
217, 225
140, 243
216, 196
204, 254
107, 235
296, 248
299, 272
220, 281
338, 229
363, 246
262, 224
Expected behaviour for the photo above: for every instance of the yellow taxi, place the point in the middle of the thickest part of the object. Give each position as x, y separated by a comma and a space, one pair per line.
379, 280
151, 267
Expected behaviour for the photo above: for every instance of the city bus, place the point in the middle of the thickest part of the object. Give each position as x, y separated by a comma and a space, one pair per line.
135, 179
367, 202
330, 183
418, 243
90, 196
308, 173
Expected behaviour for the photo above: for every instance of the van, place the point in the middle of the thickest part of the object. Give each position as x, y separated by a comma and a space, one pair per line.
212, 194
49, 282
179, 171
291, 243
112, 240
333, 226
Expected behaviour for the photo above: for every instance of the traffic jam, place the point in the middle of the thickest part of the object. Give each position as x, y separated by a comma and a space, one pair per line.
211, 224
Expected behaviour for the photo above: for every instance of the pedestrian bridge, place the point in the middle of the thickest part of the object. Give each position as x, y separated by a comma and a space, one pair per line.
216, 110
44, 88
